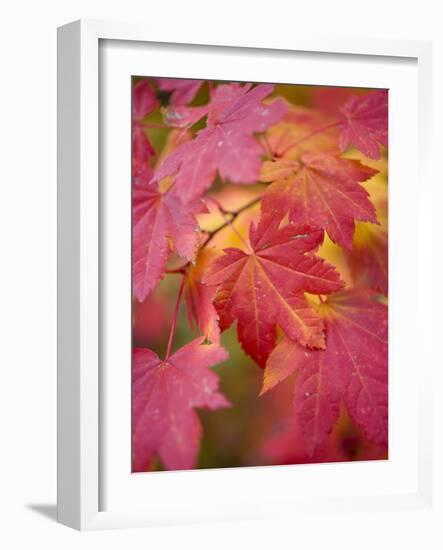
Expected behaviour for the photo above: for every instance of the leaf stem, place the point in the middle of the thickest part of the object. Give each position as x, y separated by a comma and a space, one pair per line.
174, 319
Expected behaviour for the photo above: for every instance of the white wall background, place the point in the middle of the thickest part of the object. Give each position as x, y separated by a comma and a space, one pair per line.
28, 264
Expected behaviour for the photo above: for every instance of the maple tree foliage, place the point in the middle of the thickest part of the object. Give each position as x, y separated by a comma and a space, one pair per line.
299, 264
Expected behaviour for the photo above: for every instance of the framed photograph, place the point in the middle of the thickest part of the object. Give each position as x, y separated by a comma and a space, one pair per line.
233, 274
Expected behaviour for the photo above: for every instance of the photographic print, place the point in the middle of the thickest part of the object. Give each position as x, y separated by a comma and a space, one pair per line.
259, 274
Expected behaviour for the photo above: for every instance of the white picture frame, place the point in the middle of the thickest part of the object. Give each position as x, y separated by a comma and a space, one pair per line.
83, 439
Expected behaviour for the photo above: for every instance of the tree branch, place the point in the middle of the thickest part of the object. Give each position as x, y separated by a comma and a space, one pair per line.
233, 217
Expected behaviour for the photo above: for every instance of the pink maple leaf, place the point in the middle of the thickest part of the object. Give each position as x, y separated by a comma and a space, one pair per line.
183, 90
164, 396
368, 260
181, 116
227, 144
160, 220
143, 103
352, 368
365, 123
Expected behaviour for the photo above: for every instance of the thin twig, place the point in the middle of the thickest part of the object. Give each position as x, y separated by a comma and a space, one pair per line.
233, 215
229, 217
182, 269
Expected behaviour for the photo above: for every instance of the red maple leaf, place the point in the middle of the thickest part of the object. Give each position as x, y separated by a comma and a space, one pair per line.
199, 297
365, 123
302, 130
368, 259
287, 445
143, 103
164, 396
352, 368
330, 99
320, 190
264, 286
150, 319
180, 116
182, 90
144, 100
227, 144
161, 221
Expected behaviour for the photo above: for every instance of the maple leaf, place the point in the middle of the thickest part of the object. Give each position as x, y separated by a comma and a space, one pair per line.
221, 98
227, 144
365, 123
183, 90
278, 169
352, 368
199, 297
184, 117
264, 286
143, 103
143, 100
287, 445
164, 396
159, 221
302, 130
368, 259
323, 191
142, 151
330, 99
150, 319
